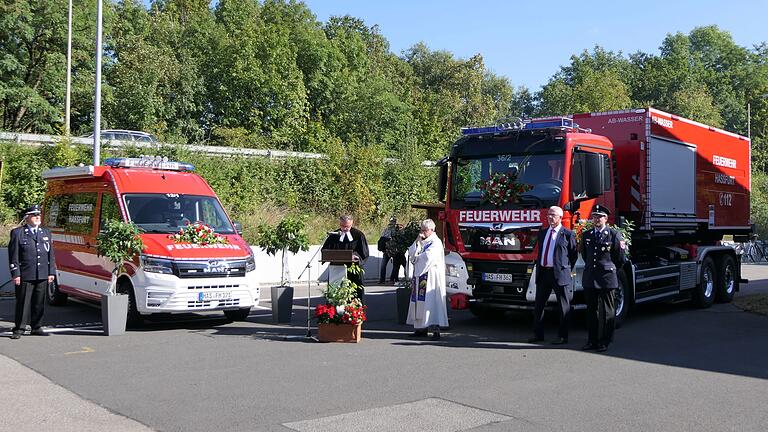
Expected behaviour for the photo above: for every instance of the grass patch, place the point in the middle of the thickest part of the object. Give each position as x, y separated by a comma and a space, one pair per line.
756, 303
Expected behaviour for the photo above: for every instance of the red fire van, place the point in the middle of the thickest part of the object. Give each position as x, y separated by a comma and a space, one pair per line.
160, 197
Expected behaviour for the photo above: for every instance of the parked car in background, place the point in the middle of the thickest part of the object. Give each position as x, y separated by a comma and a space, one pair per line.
126, 135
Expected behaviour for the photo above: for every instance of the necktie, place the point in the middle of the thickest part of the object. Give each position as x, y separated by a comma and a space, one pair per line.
545, 258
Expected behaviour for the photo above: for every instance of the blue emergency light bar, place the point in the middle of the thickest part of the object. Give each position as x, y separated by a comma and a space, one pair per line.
149, 162
546, 123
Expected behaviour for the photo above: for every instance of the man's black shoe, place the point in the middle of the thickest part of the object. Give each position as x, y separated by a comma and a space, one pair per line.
560, 341
16, 335
39, 332
436, 335
601, 348
535, 339
589, 347
418, 333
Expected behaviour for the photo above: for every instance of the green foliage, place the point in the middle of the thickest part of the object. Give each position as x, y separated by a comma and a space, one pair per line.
340, 294
759, 204
288, 235
119, 242
402, 238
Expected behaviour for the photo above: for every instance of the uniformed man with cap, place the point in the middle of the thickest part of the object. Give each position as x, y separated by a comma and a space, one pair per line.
603, 253
30, 256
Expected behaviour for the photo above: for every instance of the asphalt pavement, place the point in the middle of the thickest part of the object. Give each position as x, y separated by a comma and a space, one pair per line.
672, 368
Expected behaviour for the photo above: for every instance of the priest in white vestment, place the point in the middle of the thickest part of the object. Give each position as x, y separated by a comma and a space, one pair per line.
427, 309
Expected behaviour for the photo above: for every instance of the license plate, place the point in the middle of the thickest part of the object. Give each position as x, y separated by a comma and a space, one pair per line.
497, 277
214, 295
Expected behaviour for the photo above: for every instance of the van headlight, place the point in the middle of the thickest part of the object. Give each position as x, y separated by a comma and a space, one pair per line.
156, 265
451, 270
250, 264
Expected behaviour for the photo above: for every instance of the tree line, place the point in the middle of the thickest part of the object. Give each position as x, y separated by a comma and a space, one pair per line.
268, 74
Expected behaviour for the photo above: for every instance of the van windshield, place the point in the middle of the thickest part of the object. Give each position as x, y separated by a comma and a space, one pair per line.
167, 213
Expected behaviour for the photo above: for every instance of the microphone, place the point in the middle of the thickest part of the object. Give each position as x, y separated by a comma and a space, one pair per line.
330, 233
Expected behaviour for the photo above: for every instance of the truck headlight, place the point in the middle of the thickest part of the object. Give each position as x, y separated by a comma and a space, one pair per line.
156, 265
451, 270
250, 264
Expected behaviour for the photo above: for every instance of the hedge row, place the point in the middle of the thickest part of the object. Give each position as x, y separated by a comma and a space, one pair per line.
358, 181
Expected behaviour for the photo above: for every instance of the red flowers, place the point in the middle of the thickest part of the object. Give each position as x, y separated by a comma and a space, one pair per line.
502, 188
352, 313
198, 233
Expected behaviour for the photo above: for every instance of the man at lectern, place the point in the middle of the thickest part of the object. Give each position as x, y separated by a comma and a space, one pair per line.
349, 238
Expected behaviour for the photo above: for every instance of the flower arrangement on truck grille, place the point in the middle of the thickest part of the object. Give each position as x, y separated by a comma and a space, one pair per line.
198, 233
502, 188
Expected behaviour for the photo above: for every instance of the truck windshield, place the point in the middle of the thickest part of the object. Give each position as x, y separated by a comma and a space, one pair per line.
533, 180
167, 213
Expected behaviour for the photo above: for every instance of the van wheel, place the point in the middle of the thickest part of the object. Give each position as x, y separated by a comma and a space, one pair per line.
623, 300
705, 291
54, 296
727, 282
238, 314
134, 317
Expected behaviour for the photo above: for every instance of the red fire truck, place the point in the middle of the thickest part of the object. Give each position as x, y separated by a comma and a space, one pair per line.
160, 197
682, 185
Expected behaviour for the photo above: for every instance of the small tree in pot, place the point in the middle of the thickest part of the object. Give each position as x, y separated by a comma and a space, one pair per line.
118, 242
288, 235
402, 239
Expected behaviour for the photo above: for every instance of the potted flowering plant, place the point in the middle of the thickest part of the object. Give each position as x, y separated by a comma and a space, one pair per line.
341, 317
502, 188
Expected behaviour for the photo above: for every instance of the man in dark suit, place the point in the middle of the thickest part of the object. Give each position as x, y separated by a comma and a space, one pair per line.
603, 253
350, 238
556, 258
30, 256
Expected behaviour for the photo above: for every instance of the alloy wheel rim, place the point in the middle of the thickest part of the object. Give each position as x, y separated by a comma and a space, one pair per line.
708, 283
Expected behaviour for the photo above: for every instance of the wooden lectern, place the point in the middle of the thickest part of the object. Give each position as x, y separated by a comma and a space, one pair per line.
338, 260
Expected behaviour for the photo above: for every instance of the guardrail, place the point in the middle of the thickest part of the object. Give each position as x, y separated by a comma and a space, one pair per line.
36, 140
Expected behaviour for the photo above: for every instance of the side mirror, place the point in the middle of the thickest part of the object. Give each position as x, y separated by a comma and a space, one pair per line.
442, 179
571, 206
594, 180
238, 227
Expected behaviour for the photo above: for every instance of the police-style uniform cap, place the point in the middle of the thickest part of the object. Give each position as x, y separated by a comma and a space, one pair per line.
33, 210
600, 210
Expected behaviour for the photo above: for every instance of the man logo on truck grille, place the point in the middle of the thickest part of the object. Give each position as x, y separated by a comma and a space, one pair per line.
215, 266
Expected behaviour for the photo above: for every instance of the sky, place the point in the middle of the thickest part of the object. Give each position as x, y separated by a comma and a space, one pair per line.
528, 41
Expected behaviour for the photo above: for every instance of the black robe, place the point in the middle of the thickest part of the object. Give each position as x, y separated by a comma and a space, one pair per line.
360, 247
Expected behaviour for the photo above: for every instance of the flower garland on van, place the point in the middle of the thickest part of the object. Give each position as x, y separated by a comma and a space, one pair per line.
198, 233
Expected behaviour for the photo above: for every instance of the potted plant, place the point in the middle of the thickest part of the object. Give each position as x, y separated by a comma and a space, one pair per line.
401, 240
288, 235
118, 242
341, 317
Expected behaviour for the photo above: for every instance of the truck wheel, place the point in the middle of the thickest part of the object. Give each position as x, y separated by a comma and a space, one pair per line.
727, 282
54, 296
705, 291
238, 314
623, 300
486, 313
135, 319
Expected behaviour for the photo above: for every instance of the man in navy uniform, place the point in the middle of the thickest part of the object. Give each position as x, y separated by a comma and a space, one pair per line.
603, 253
30, 256
556, 258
